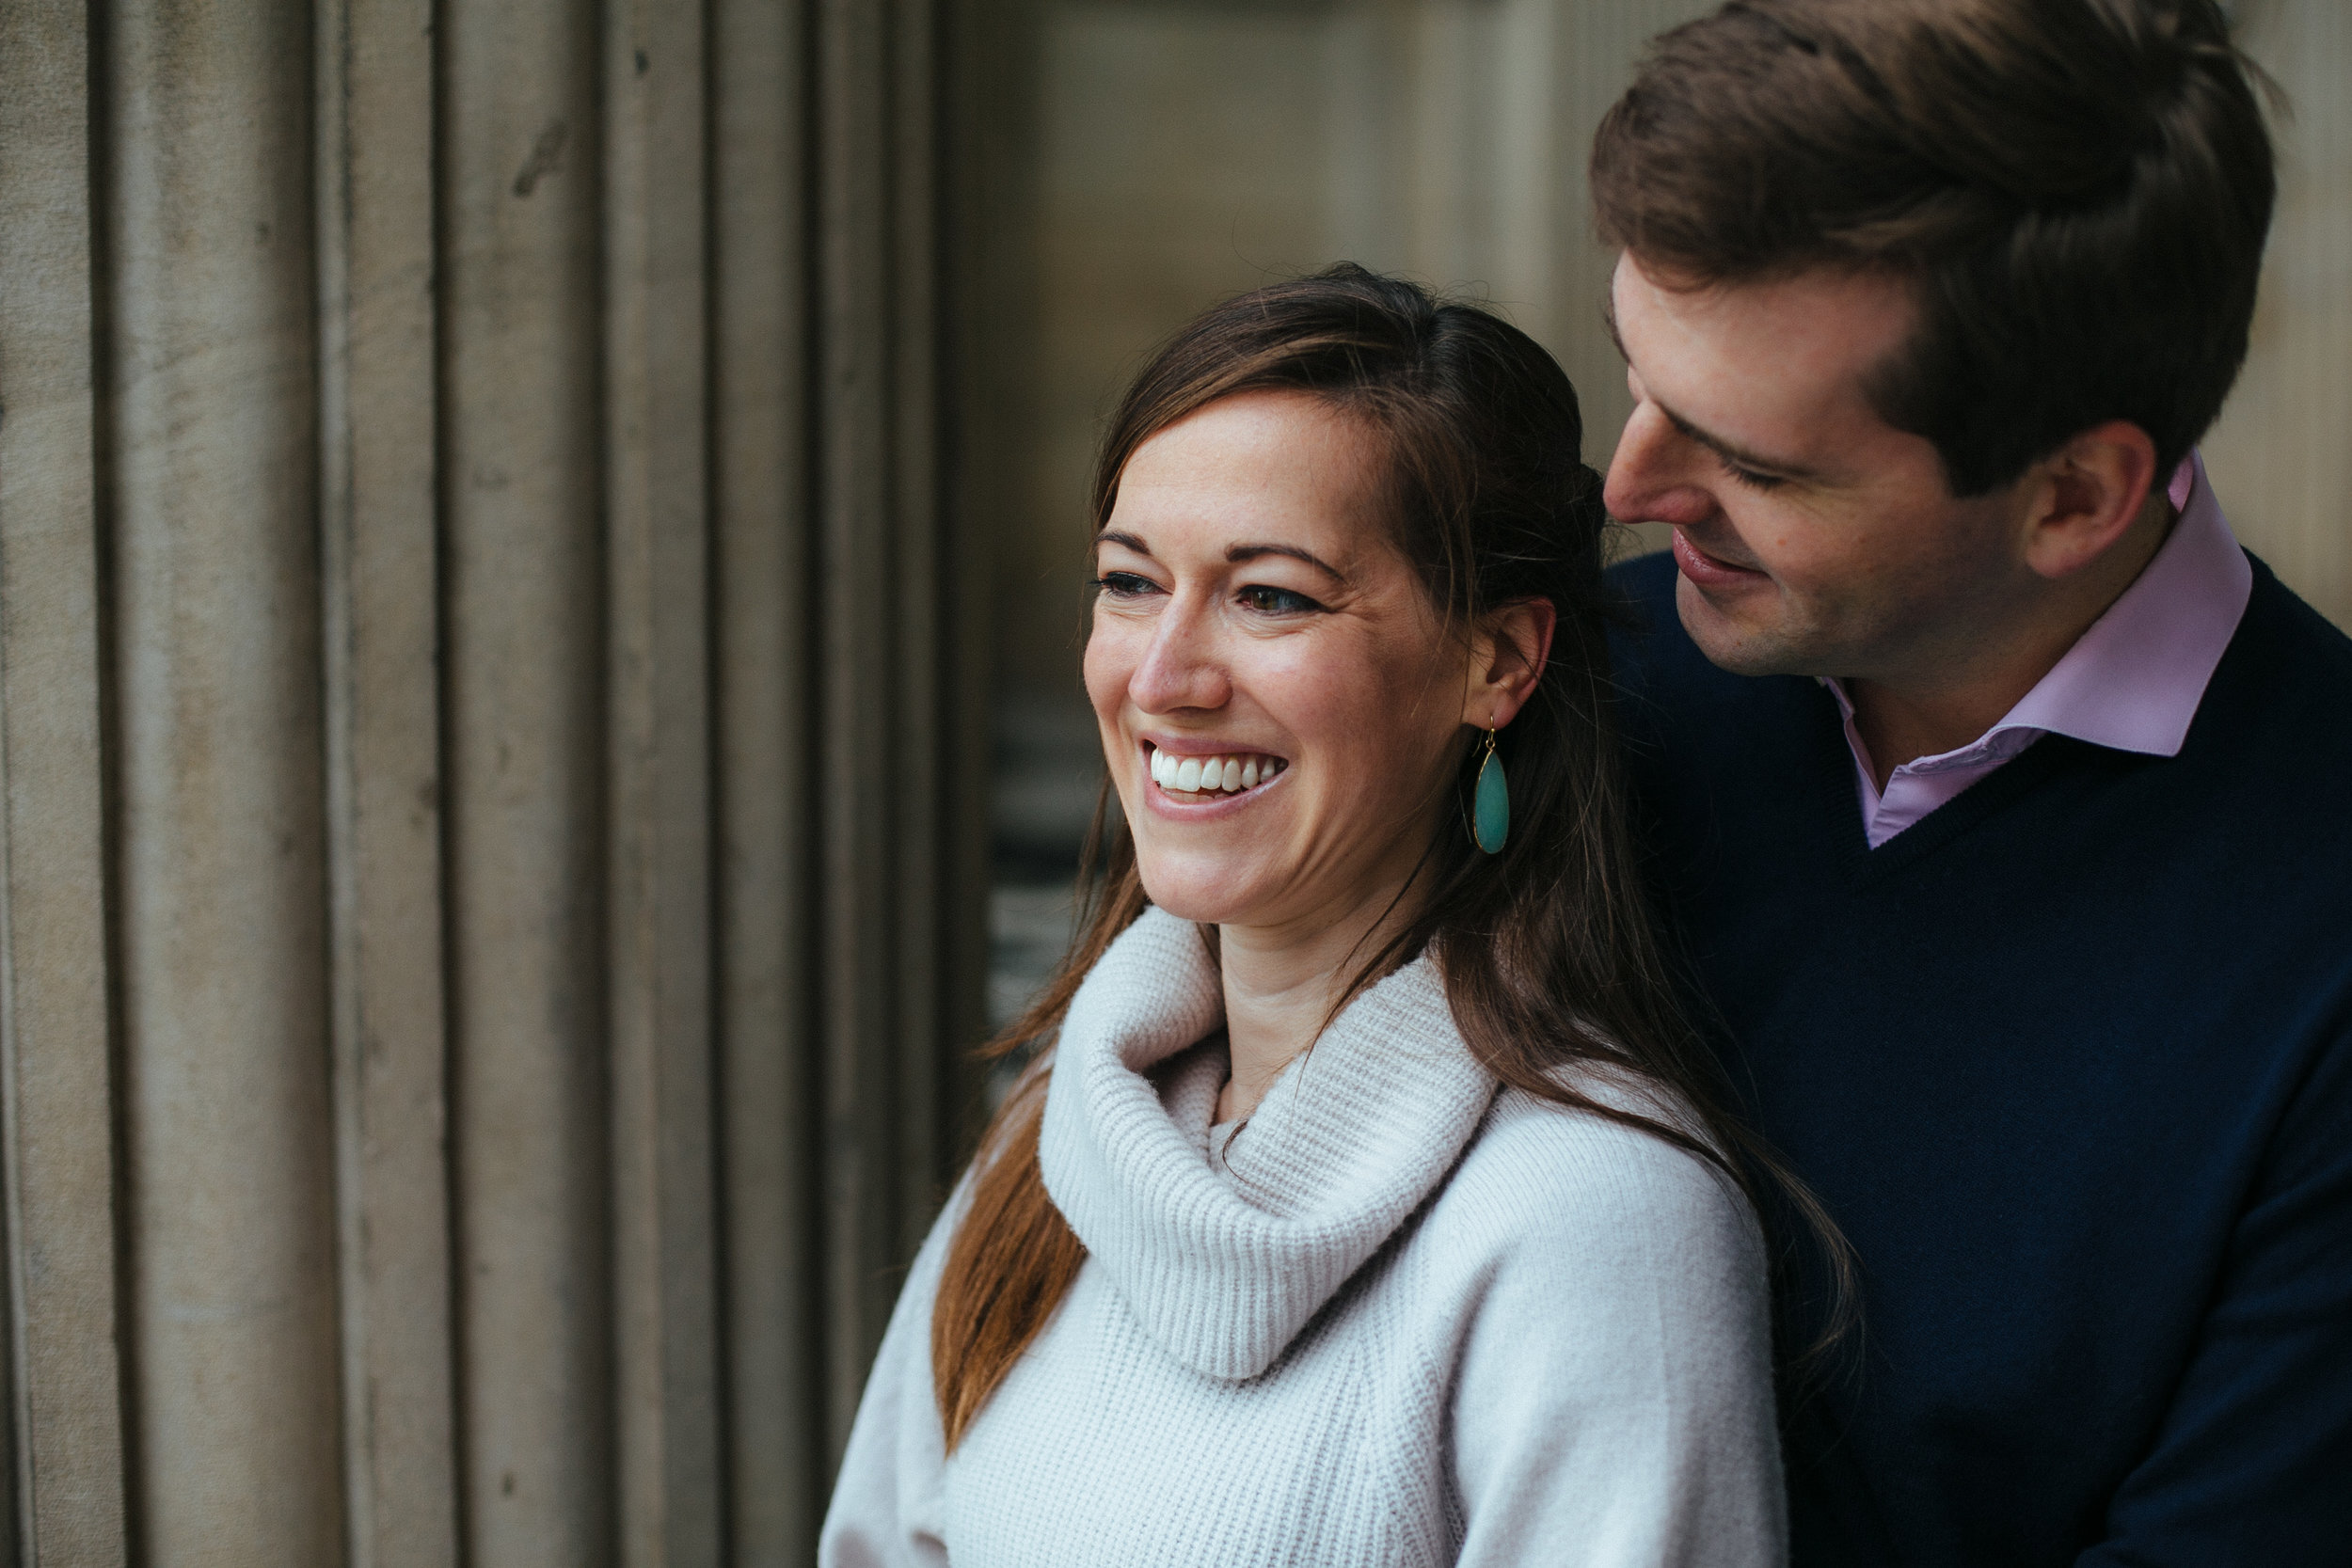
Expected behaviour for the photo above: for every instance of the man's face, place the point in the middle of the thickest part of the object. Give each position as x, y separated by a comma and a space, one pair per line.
1813, 537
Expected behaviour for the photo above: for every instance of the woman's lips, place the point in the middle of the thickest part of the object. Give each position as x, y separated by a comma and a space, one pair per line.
1199, 777
1706, 570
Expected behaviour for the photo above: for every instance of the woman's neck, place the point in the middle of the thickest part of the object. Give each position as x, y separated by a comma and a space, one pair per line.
1280, 982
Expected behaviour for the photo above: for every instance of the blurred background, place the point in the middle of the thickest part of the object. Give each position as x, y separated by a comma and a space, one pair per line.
541, 561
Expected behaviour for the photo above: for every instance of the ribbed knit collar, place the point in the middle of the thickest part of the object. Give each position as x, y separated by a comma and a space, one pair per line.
1224, 1264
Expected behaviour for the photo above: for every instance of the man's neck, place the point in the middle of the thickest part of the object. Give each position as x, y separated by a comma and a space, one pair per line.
1951, 702
1900, 725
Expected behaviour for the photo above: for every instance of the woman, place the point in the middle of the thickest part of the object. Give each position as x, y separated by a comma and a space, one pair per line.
1371, 1208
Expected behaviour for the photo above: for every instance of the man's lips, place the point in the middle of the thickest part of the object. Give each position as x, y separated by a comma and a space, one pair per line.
1707, 571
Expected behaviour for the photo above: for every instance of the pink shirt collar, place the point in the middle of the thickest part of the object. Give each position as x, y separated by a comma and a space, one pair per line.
2131, 682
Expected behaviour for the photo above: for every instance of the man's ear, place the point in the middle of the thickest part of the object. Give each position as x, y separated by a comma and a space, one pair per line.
2087, 495
1507, 657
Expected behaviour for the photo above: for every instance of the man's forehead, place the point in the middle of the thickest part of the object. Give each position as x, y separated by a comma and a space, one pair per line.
1752, 360
1823, 319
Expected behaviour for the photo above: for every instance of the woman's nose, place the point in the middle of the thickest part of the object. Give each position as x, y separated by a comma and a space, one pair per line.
1649, 477
1182, 668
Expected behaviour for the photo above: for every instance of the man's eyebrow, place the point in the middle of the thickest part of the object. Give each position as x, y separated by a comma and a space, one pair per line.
1732, 452
1239, 553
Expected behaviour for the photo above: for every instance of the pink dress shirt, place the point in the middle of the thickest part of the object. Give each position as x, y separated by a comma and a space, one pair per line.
2132, 681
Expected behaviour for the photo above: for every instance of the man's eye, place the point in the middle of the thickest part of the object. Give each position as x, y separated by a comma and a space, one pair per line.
1276, 601
1123, 585
1749, 477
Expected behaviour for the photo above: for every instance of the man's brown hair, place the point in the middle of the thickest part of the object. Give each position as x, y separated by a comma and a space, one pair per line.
2078, 189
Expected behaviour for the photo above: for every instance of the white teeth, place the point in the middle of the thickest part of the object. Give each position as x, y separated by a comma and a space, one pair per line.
1205, 775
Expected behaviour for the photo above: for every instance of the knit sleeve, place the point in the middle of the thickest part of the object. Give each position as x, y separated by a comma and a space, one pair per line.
1613, 1404
888, 1503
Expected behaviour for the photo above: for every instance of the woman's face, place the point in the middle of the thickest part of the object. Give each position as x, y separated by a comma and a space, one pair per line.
1281, 708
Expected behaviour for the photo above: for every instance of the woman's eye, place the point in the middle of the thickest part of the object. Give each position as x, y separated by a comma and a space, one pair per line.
1124, 585
1276, 601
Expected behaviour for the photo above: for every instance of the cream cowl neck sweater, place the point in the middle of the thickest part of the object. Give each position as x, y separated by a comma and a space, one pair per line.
1402, 1319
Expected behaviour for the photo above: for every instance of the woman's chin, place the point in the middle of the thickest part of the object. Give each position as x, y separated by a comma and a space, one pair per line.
1201, 894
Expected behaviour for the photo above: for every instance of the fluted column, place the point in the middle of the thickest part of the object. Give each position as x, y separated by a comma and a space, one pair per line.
763, 794
483, 942
379, 556
658, 522
885, 719
221, 828
522, 496
61, 1494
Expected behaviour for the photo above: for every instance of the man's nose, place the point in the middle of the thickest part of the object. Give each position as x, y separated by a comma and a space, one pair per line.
1650, 479
1182, 667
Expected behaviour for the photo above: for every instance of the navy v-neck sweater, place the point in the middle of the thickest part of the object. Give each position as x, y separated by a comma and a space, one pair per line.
2070, 1061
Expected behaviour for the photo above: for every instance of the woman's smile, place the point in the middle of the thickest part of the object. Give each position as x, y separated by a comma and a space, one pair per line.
1189, 781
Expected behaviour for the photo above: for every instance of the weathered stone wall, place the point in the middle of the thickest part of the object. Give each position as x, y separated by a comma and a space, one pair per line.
482, 944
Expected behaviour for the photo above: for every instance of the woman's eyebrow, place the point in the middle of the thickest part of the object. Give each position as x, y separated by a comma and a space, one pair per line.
1126, 541
1239, 553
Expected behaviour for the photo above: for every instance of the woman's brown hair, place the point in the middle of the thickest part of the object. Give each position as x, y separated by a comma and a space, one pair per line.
1549, 951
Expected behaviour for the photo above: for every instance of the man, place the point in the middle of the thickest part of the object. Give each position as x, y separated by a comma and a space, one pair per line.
2001, 799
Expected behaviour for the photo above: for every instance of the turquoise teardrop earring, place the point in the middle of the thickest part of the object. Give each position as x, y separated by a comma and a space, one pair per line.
1490, 812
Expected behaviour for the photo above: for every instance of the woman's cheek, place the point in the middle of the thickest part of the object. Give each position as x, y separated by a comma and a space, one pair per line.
1107, 663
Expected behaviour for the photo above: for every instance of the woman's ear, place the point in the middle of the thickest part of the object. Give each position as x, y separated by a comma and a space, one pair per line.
1507, 657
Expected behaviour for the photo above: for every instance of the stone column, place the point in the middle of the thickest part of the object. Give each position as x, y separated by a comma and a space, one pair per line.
484, 936
380, 559
62, 1491
211, 361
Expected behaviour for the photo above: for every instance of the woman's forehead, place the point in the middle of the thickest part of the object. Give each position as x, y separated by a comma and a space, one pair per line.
1270, 467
